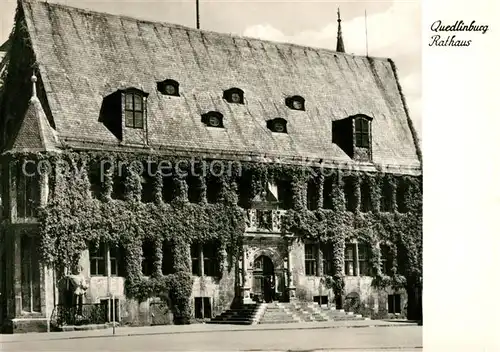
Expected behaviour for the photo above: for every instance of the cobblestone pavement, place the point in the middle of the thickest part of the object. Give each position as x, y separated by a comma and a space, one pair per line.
401, 338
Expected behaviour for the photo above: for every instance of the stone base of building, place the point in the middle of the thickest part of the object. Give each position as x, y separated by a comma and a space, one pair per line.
24, 325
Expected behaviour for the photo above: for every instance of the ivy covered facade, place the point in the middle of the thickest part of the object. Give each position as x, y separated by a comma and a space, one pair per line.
103, 207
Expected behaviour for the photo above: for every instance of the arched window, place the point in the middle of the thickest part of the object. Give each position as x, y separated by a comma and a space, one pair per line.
295, 103
234, 95
362, 132
135, 104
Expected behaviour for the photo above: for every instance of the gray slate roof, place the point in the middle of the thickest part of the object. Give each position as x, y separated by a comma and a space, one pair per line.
83, 56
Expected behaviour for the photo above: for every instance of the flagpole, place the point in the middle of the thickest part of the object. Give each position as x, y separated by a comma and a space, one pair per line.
366, 33
197, 14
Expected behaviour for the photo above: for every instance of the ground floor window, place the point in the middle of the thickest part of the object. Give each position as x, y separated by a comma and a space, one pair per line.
310, 259
328, 259
394, 304
97, 252
106, 259
30, 274
204, 259
349, 259
364, 265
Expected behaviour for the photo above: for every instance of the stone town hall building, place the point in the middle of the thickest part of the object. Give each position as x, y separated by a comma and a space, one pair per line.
322, 204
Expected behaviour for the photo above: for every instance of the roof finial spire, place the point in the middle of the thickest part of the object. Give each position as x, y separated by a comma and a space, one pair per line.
340, 41
33, 80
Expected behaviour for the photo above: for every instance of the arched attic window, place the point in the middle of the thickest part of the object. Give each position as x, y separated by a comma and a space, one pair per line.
295, 102
135, 107
362, 124
234, 95
213, 119
277, 125
168, 87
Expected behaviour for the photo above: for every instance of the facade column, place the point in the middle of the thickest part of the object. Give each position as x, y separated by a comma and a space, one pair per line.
291, 283
246, 273
356, 257
17, 264
202, 260
319, 260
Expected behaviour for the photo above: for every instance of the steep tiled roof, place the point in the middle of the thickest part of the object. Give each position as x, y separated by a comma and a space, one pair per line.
84, 56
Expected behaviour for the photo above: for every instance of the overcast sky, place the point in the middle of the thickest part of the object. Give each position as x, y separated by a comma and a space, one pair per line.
393, 26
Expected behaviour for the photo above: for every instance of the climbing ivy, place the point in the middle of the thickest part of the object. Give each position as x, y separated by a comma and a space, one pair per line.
73, 217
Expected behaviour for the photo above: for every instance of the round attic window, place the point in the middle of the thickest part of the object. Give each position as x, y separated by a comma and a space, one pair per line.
297, 104
170, 89
279, 126
235, 98
214, 121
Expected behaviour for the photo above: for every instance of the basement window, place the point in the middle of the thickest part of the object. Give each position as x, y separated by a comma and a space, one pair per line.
234, 95
394, 304
202, 308
213, 119
168, 87
295, 103
277, 125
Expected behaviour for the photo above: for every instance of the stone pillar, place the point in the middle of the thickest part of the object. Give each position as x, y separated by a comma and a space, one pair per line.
202, 264
247, 279
44, 189
291, 284
17, 266
319, 260
356, 261
12, 201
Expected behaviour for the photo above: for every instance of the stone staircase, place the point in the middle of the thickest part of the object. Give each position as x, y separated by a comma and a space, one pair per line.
296, 312
247, 314
279, 313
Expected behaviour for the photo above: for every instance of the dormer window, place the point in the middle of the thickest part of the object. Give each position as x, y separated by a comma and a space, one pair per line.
277, 125
213, 119
362, 132
233, 95
135, 108
168, 87
295, 103
353, 135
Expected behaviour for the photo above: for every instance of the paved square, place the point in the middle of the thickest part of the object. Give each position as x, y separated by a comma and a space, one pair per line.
363, 338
